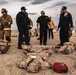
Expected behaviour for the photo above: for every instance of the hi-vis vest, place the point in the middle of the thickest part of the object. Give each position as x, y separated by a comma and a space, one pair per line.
51, 24
7, 21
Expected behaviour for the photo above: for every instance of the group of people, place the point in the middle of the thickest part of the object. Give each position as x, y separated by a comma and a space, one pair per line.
65, 24
25, 24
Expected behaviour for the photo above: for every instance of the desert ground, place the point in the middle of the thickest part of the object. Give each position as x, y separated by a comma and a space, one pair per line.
8, 61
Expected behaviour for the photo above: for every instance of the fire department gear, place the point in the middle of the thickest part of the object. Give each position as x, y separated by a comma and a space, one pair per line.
4, 10
6, 21
6, 25
1, 27
1, 34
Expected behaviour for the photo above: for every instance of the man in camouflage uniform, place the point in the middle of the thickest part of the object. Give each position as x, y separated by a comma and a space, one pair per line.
6, 21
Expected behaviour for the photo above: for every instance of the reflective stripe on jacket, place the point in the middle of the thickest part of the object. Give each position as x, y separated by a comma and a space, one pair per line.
6, 22
7, 29
8, 19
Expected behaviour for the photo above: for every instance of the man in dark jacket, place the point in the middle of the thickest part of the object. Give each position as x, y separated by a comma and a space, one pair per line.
23, 22
65, 23
43, 21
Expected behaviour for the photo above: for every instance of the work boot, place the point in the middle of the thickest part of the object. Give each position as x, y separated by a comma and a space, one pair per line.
19, 47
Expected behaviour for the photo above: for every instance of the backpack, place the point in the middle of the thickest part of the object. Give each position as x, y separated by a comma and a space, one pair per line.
60, 67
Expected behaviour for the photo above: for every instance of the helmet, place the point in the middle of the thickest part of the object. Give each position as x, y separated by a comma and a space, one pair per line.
3, 10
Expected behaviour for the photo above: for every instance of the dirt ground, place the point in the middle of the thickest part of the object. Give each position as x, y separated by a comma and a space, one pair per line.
8, 61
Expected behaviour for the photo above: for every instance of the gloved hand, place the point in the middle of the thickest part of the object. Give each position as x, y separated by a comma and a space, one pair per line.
9, 23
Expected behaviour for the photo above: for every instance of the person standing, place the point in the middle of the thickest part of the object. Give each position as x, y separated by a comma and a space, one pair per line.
23, 22
6, 21
51, 27
65, 23
43, 22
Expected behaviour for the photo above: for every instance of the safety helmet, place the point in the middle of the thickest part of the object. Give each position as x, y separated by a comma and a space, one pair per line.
3, 10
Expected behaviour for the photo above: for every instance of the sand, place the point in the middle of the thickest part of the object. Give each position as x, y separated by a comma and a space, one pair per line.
8, 61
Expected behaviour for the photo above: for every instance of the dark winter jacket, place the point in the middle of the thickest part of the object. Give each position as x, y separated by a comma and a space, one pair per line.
22, 20
65, 21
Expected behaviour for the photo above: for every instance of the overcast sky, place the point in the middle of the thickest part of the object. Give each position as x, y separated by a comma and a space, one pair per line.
34, 7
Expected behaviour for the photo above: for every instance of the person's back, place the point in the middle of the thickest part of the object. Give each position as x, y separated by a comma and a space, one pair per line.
6, 21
